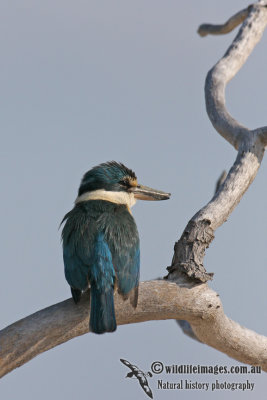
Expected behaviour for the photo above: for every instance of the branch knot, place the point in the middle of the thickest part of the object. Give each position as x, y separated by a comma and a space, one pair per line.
189, 252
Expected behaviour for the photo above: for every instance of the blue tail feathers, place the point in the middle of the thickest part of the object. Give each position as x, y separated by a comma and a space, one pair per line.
102, 315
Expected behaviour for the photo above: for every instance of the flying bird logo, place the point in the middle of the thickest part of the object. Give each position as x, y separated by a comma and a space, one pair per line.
140, 375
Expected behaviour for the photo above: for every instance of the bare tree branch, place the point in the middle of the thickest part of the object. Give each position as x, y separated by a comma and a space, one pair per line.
220, 181
262, 133
218, 77
189, 251
185, 295
158, 300
187, 329
184, 325
228, 26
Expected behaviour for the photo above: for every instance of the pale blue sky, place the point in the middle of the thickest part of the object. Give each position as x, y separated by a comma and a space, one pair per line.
90, 81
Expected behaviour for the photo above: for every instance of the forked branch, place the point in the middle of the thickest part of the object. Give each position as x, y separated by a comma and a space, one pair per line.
190, 249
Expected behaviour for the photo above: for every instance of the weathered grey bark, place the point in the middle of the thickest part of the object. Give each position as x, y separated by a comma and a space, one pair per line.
184, 325
158, 300
184, 295
189, 251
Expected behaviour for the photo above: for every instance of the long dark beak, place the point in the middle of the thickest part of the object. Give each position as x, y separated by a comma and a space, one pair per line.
146, 193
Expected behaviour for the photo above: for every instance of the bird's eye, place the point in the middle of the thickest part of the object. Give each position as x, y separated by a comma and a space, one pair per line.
125, 183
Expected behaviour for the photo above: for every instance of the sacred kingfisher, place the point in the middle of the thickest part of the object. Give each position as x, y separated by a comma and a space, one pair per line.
101, 242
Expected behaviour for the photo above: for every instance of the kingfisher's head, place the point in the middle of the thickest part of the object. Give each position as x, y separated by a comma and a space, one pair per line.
114, 182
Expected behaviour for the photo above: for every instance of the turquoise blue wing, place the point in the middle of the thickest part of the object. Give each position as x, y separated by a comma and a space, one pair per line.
78, 236
86, 254
128, 270
127, 266
76, 271
122, 237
